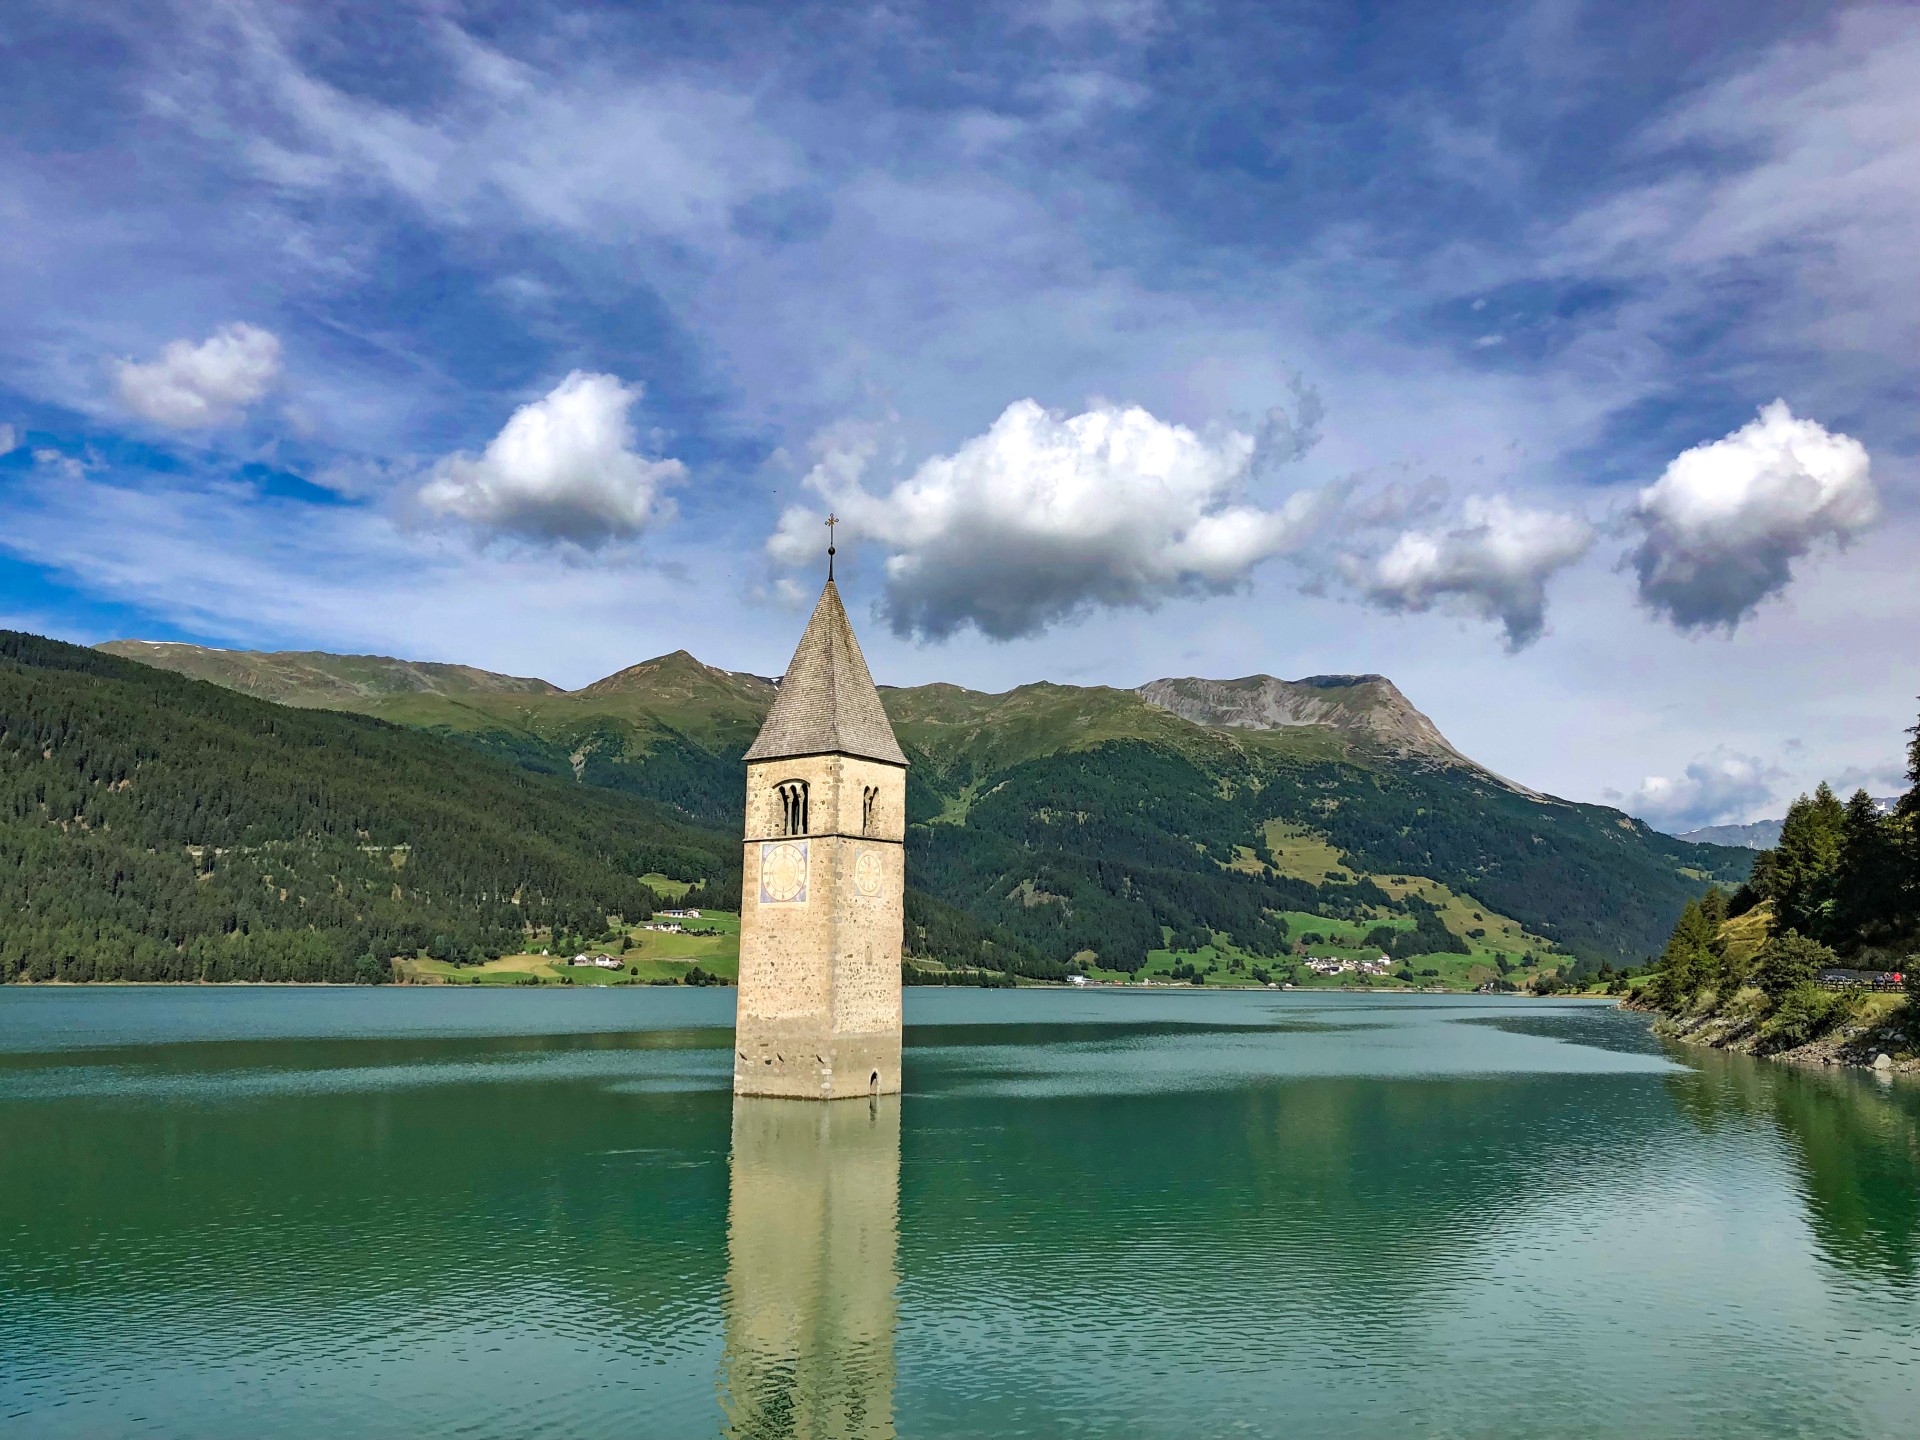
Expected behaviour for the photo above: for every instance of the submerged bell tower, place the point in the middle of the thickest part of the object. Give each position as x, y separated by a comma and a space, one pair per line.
823, 888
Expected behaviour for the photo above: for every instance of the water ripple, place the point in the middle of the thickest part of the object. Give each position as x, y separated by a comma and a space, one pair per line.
1134, 1216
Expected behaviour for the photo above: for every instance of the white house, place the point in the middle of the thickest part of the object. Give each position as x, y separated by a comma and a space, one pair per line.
603, 962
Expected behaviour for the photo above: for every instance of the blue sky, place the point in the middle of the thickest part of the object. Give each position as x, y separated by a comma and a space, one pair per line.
1557, 360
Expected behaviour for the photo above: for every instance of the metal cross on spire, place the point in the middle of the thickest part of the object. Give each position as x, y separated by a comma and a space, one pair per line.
832, 520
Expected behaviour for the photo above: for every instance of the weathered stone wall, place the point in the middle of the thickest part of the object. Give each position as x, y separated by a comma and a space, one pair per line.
820, 931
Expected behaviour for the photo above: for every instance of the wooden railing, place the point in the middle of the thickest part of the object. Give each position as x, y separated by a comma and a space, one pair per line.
1884, 981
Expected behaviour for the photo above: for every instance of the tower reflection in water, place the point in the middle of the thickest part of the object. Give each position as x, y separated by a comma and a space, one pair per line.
812, 1228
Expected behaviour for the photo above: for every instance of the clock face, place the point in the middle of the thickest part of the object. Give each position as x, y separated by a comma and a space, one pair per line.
783, 872
869, 872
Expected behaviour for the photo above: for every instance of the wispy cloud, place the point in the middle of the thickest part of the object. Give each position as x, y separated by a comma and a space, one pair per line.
579, 147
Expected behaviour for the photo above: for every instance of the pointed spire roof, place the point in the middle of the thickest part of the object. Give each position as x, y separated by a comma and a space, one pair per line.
827, 703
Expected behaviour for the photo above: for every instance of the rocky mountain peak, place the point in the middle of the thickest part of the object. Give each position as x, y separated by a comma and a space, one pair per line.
1369, 705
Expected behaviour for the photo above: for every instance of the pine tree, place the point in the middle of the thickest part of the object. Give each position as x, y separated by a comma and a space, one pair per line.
1690, 959
1720, 969
1866, 893
1806, 863
1713, 907
1906, 840
1758, 885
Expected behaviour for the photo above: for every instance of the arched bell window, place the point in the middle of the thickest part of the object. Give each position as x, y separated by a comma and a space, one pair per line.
790, 798
869, 797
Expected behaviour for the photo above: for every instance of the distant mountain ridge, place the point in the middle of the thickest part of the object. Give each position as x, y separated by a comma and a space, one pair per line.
1369, 707
1760, 834
682, 695
1092, 820
311, 678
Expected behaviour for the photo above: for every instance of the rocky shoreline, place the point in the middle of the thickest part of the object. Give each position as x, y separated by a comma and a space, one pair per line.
1879, 1046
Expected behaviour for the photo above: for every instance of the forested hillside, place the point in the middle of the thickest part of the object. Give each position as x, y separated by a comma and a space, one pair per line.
156, 827
1098, 848
1055, 822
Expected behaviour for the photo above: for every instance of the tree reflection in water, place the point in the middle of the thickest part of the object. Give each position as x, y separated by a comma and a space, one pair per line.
812, 1231
1854, 1143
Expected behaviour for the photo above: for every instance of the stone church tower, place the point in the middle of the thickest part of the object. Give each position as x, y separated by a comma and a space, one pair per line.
823, 892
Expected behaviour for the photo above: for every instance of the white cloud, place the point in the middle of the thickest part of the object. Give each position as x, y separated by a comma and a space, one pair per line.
562, 468
1494, 564
1046, 516
1721, 788
1721, 528
192, 386
9, 440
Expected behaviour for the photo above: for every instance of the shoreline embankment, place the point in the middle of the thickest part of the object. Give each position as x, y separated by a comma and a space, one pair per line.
1874, 1039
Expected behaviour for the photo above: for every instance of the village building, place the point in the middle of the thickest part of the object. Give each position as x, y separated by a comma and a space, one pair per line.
602, 962
1335, 965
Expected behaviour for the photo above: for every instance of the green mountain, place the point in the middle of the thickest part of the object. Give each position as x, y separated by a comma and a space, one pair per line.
155, 827
316, 680
1225, 818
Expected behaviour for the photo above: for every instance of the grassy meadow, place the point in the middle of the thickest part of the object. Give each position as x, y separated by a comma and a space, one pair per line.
1301, 854
651, 957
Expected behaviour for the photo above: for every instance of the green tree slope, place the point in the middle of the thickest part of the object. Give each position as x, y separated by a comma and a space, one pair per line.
157, 827
1843, 885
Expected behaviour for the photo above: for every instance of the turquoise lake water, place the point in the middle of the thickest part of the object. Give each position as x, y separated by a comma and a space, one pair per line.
370, 1213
